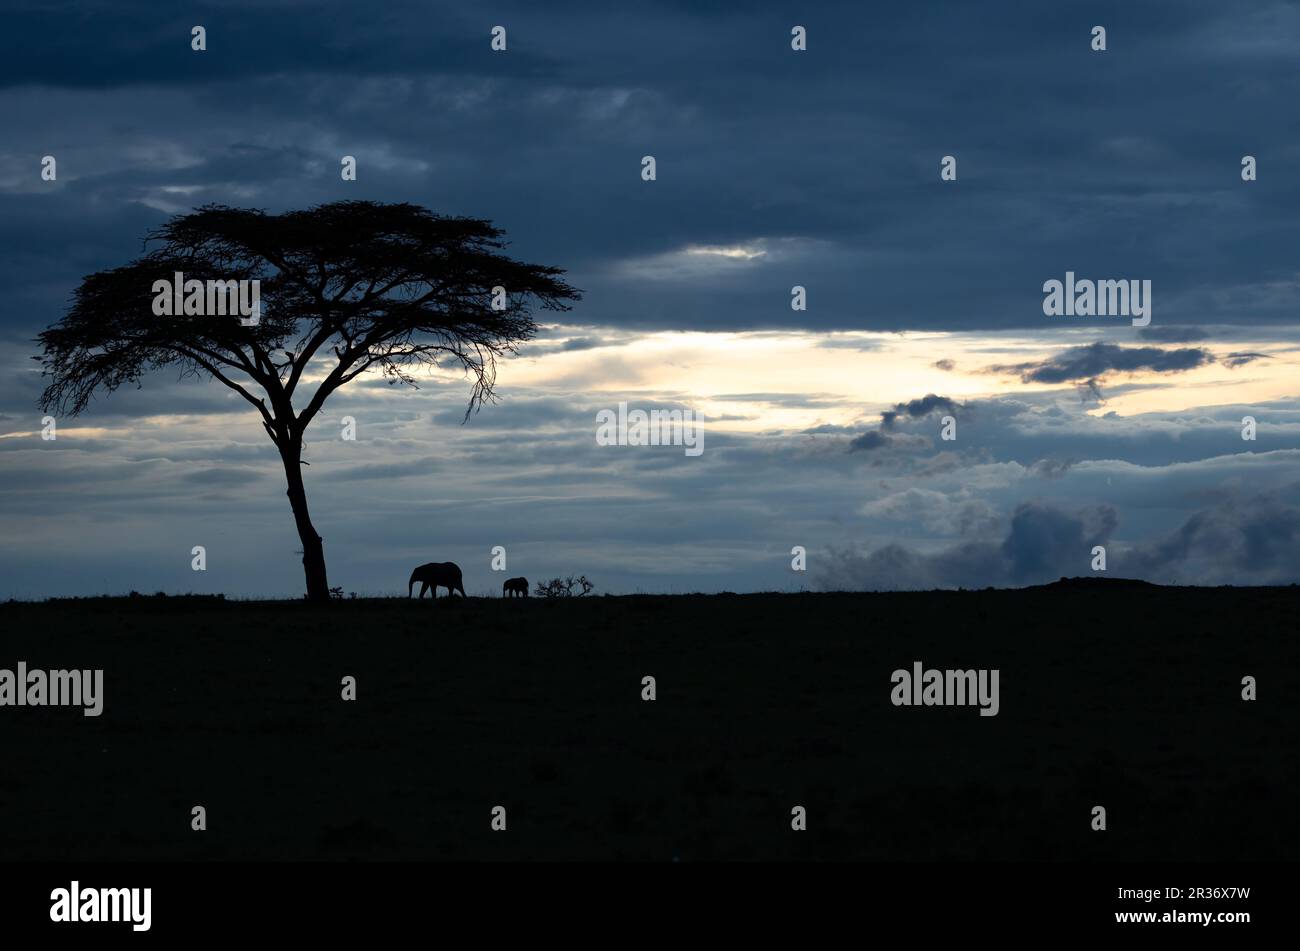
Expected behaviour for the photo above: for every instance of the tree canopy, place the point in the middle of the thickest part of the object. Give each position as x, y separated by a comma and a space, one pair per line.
366, 285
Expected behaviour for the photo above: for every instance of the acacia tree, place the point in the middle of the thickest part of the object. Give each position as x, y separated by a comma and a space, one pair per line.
345, 288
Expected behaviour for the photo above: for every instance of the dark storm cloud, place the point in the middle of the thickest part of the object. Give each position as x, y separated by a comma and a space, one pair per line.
1095, 360
1041, 543
1257, 536
872, 439
546, 139
1242, 537
130, 42
918, 409
1044, 542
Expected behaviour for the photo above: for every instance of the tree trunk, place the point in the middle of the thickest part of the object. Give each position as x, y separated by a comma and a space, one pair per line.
313, 548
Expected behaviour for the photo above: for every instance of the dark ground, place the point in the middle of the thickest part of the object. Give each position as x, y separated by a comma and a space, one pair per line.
1112, 693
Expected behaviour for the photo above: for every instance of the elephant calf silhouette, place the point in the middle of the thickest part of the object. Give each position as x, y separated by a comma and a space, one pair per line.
515, 587
438, 574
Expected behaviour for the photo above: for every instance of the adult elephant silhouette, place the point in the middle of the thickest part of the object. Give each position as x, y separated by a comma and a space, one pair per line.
437, 574
514, 588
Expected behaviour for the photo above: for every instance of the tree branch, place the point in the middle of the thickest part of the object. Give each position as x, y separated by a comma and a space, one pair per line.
267, 418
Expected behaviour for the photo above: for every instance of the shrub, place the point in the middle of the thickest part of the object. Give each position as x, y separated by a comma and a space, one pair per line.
564, 587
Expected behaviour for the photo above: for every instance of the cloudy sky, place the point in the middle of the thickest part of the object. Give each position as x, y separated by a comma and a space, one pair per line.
775, 168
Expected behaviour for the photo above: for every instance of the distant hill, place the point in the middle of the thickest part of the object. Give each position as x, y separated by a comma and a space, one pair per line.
1096, 581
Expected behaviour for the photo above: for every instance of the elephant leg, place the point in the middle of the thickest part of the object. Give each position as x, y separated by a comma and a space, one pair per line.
424, 586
